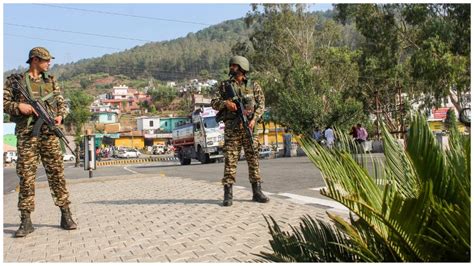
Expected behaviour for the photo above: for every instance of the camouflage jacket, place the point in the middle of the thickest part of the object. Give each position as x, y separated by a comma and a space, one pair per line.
251, 95
12, 99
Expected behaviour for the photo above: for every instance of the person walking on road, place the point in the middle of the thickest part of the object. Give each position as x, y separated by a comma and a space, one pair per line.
287, 143
329, 135
251, 95
40, 86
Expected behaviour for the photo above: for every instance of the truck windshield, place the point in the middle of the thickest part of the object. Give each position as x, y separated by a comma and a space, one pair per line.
210, 122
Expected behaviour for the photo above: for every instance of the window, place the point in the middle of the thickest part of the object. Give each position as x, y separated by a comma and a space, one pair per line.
151, 123
109, 117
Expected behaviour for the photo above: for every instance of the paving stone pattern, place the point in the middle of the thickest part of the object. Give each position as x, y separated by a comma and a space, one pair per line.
147, 218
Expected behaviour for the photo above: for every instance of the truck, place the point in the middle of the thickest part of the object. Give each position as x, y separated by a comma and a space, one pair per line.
202, 139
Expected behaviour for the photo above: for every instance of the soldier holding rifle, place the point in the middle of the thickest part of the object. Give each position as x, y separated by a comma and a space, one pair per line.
34, 102
240, 104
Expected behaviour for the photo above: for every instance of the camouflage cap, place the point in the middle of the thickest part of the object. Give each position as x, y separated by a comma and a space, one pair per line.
39, 52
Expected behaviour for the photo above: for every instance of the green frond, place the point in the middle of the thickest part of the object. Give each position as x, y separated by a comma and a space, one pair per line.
414, 208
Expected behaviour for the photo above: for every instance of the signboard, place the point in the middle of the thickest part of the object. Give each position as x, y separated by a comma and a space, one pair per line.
440, 113
112, 136
208, 111
158, 136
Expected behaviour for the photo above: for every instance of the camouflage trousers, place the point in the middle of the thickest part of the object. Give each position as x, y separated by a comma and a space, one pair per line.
234, 139
30, 149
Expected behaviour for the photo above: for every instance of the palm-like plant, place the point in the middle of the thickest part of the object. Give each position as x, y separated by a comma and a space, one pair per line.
416, 209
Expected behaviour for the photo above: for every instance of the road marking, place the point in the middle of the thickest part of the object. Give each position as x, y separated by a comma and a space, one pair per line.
305, 200
126, 168
317, 188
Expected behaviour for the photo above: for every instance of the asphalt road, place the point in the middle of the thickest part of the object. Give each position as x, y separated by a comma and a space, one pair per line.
295, 174
295, 177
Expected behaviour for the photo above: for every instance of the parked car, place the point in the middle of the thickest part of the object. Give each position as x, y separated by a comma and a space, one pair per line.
10, 157
159, 149
265, 152
129, 153
69, 157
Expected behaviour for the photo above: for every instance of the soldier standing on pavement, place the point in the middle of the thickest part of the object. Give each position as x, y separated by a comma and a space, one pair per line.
42, 86
251, 95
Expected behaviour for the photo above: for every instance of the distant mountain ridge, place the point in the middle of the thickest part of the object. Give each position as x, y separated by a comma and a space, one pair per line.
176, 59
204, 53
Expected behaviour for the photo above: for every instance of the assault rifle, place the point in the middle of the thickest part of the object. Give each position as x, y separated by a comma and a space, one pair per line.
230, 95
44, 117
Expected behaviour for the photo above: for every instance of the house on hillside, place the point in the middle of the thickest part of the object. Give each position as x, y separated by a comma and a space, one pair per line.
104, 117
123, 98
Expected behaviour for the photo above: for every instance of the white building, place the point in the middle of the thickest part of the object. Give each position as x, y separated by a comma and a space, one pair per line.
119, 93
148, 124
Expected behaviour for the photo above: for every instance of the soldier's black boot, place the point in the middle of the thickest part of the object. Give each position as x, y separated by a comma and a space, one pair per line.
258, 195
227, 195
66, 219
26, 227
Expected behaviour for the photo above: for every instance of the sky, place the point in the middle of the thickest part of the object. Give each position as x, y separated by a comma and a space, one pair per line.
78, 31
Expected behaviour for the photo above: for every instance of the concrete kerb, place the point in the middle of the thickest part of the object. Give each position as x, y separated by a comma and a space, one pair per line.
135, 161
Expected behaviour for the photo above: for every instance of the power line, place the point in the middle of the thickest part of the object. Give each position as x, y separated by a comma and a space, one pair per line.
124, 15
58, 41
76, 32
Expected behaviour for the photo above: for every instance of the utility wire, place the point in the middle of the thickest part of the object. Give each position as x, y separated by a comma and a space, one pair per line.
124, 15
58, 41
76, 32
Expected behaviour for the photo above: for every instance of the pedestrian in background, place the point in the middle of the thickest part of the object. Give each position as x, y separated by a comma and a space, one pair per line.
329, 135
361, 134
317, 135
39, 85
287, 143
354, 133
235, 137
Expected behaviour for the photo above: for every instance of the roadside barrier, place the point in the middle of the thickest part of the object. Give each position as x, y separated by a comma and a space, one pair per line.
135, 161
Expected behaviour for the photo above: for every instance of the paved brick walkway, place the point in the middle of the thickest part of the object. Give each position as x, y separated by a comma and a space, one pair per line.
147, 218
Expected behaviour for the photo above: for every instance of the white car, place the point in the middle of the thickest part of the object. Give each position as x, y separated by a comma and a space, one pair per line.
10, 157
129, 153
69, 157
159, 149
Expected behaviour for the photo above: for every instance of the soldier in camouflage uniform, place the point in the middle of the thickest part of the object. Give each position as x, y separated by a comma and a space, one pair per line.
30, 148
251, 95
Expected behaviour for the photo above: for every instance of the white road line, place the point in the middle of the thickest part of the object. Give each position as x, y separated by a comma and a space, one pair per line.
130, 170
306, 200
317, 188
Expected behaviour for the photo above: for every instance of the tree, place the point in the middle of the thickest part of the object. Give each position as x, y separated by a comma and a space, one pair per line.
85, 83
422, 49
79, 114
6, 118
305, 89
162, 95
451, 120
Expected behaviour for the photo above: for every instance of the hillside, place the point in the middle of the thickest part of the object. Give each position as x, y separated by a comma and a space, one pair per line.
198, 55
182, 58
